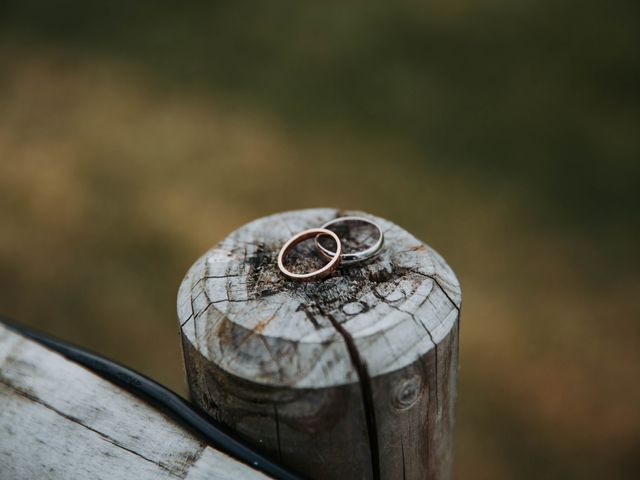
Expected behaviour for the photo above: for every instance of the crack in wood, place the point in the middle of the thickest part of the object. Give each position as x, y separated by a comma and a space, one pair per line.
77, 421
404, 473
418, 322
367, 395
437, 282
277, 420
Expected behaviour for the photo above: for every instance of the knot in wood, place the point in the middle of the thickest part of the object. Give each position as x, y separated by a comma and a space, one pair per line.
407, 392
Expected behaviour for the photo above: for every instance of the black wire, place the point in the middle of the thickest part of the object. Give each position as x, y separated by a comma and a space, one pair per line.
169, 402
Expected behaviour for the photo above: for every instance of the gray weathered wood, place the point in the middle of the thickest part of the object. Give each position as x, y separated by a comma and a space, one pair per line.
60, 421
347, 377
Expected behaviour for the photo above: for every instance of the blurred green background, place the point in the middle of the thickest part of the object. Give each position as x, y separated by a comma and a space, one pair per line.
135, 135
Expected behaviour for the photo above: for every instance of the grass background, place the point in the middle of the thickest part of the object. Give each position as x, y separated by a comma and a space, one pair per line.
134, 135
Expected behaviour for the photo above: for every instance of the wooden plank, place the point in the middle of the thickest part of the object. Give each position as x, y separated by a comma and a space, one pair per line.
349, 377
60, 421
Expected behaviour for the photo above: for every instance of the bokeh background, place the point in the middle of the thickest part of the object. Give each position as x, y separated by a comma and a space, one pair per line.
135, 135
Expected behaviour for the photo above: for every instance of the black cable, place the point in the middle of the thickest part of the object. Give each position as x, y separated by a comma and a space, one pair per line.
169, 402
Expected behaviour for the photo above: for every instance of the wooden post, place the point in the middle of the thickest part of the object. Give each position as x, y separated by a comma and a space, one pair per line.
350, 377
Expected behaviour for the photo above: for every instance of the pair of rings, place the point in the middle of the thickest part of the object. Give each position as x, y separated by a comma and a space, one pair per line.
337, 256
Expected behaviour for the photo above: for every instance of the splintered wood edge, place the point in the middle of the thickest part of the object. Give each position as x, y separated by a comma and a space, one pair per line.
61, 421
271, 339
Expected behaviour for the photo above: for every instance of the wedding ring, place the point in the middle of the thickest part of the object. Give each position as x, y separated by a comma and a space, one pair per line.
321, 272
353, 257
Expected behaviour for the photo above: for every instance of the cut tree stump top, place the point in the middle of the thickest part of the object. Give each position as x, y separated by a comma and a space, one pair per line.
242, 314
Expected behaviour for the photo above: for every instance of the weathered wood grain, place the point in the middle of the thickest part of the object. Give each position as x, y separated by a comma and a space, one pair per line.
60, 421
348, 377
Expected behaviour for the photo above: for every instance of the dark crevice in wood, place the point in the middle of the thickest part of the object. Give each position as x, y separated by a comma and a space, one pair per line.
367, 394
303, 308
187, 320
435, 280
222, 300
201, 292
77, 421
277, 419
435, 345
445, 293
435, 350
437, 377
211, 277
404, 473
429, 421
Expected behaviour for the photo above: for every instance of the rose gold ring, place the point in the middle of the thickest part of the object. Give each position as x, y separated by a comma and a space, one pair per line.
316, 274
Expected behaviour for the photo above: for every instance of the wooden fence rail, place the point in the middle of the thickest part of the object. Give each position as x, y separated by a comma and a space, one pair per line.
59, 420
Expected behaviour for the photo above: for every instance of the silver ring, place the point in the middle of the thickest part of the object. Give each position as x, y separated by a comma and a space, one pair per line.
354, 257
336, 257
